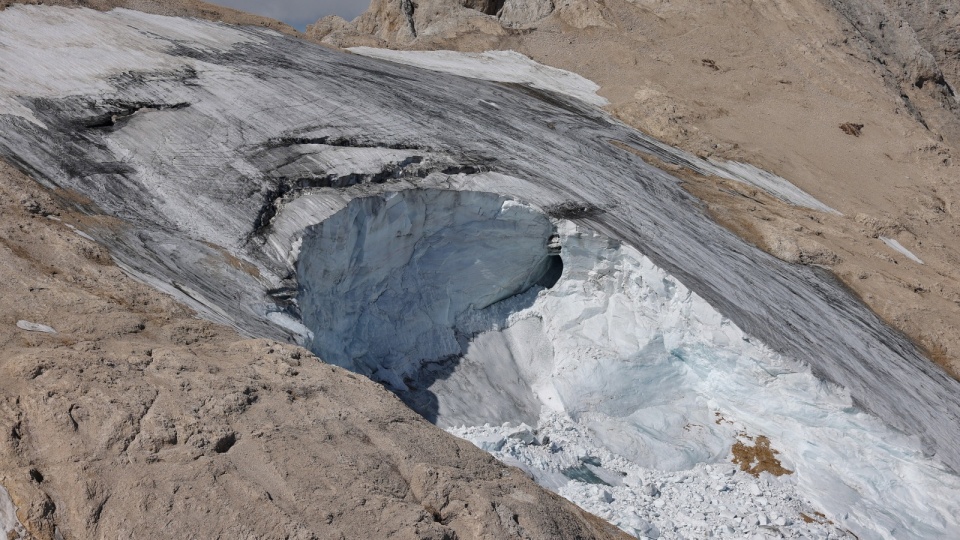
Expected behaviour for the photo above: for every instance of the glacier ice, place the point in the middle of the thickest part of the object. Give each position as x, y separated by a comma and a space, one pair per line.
501, 66
385, 281
894, 244
437, 293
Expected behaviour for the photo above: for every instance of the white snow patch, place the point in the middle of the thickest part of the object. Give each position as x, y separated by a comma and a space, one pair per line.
890, 242
499, 66
9, 522
745, 173
35, 327
80, 233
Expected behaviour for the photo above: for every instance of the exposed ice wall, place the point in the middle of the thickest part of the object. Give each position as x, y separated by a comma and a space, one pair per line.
384, 282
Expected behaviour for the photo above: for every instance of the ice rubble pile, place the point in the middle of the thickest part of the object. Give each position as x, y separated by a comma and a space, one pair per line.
709, 499
618, 353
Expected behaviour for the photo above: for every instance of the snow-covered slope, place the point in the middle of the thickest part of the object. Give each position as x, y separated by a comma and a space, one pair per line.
222, 149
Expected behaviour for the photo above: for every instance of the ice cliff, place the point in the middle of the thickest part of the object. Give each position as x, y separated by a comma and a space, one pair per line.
405, 222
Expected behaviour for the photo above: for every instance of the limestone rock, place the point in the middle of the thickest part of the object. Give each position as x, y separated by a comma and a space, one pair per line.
336, 31
522, 13
582, 14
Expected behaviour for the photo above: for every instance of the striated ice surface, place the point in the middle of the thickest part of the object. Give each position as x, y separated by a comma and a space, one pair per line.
500, 66
52, 69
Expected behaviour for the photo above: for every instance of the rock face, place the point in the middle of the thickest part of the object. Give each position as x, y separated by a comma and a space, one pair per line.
429, 23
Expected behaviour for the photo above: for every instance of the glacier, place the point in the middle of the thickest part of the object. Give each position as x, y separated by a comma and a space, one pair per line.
220, 164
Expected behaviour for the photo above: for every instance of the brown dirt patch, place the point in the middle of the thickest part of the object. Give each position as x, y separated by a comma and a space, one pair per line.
851, 129
759, 458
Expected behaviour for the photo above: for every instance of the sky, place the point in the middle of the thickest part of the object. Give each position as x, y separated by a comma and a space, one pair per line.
299, 13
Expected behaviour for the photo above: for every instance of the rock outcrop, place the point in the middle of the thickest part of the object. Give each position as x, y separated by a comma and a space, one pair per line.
473, 24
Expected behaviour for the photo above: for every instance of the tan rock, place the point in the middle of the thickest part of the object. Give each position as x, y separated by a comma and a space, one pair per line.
582, 13
525, 13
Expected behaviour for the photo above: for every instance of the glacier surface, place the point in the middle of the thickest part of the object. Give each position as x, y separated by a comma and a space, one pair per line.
500, 66
223, 149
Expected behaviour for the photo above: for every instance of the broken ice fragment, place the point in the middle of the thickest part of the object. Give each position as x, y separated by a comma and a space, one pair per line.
35, 327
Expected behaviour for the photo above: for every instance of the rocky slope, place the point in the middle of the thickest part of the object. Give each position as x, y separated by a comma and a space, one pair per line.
771, 84
136, 419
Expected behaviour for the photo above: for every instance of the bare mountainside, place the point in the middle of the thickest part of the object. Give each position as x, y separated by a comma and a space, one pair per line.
854, 102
